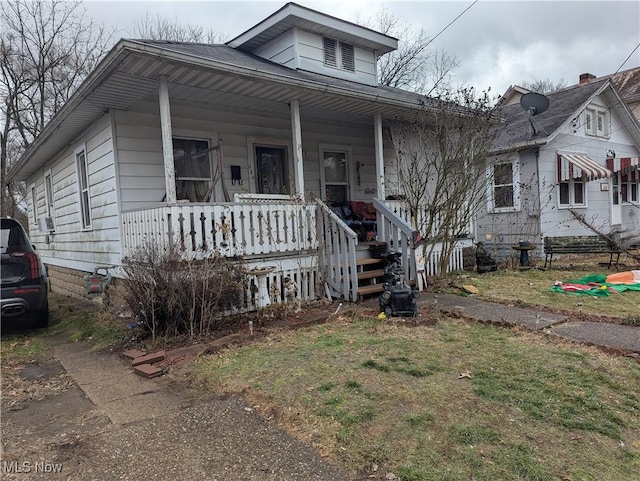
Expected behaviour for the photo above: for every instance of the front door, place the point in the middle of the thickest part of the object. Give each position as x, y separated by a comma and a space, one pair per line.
272, 173
616, 201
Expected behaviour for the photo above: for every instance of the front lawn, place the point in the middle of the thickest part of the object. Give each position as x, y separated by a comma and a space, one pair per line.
532, 287
453, 401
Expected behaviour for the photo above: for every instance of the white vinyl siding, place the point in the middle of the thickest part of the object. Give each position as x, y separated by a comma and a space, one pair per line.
311, 56
70, 245
280, 50
141, 167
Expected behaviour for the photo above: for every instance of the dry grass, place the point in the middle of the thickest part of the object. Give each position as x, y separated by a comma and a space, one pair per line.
533, 287
454, 401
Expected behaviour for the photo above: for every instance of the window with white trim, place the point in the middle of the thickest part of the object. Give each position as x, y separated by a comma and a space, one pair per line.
34, 205
338, 54
630, 185
192, 161
597, 122
504, 187
48, 193
572, 192
83, 187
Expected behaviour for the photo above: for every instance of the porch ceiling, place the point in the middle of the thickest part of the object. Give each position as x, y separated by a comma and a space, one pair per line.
237, 91
130, 75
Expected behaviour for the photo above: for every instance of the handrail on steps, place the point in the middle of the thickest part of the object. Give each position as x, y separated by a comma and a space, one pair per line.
399, 235
338, 253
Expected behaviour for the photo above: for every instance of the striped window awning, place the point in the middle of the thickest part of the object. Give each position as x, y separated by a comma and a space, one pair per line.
623, 164
575, 166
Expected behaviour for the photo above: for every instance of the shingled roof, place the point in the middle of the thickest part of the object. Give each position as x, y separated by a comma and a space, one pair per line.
516, 131
628, 83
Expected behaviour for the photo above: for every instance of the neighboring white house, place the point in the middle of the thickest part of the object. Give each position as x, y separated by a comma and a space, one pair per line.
229, 148
580, 155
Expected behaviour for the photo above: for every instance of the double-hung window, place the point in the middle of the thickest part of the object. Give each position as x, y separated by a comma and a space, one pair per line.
192, 161
596, 122
629, 186
572, 192
338, 54
504, 187
82, 167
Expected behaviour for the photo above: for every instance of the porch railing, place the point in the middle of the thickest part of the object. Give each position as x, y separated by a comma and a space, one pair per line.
400, 236
400, 208
227, 229
430, 266
337, 254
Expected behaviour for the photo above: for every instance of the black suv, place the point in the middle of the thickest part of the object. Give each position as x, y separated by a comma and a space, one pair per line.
24, 279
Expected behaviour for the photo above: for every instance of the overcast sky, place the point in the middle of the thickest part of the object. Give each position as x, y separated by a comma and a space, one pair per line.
498, 43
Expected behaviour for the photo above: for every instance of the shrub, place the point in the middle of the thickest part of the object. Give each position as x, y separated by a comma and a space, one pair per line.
171, 296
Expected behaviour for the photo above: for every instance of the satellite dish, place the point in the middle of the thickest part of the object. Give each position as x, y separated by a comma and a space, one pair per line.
534, 103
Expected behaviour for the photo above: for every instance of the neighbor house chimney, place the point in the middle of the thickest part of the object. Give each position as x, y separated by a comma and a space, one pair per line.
585, 78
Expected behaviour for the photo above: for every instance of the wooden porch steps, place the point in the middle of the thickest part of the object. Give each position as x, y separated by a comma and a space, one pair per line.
370, 289
370, 276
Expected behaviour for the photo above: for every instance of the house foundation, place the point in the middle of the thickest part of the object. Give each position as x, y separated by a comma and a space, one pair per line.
66, 281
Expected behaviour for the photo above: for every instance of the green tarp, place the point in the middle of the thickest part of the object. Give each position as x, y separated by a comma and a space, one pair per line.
593, 285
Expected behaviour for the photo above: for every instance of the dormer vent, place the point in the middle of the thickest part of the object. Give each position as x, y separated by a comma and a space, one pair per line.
346, 52
330, 52
338, 54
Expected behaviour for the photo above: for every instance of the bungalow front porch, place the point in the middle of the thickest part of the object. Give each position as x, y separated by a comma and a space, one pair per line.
325, 144
300, 241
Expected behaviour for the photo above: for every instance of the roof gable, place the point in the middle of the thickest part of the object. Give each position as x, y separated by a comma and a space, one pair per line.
564, 105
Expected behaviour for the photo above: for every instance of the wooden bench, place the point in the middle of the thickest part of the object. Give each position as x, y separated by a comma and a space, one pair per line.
579, 245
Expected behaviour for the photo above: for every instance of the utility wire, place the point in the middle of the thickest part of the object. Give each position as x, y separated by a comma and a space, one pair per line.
625, 61
453, 21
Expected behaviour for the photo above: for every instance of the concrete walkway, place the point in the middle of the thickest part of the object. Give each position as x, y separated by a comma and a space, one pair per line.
611, 336
158, 429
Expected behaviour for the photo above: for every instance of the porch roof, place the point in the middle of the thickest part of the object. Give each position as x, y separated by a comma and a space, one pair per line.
214, 74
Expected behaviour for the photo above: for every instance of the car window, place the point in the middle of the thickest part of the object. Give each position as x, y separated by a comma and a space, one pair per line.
11, 237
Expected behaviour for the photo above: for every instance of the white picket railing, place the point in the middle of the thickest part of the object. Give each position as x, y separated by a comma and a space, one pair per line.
401, 209
227, 229
399, 236
337, 254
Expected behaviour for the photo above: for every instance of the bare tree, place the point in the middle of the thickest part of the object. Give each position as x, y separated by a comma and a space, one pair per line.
47, 49
441, 167
413, 66
543, 86
150, 26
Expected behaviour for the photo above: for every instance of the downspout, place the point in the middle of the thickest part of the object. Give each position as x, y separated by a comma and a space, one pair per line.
538, 202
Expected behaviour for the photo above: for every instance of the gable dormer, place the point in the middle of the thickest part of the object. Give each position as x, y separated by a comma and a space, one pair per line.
304, 39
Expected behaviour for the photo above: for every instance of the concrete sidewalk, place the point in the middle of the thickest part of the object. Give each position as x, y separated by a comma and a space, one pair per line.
159, 429
607, 335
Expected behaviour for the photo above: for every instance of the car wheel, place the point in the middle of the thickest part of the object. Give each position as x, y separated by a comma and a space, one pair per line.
40, 318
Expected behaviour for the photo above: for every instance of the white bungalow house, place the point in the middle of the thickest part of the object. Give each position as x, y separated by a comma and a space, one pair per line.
236, 149
580, 155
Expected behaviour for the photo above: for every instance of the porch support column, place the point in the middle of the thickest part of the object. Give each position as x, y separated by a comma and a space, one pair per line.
167, 140
298, 169
377, 128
